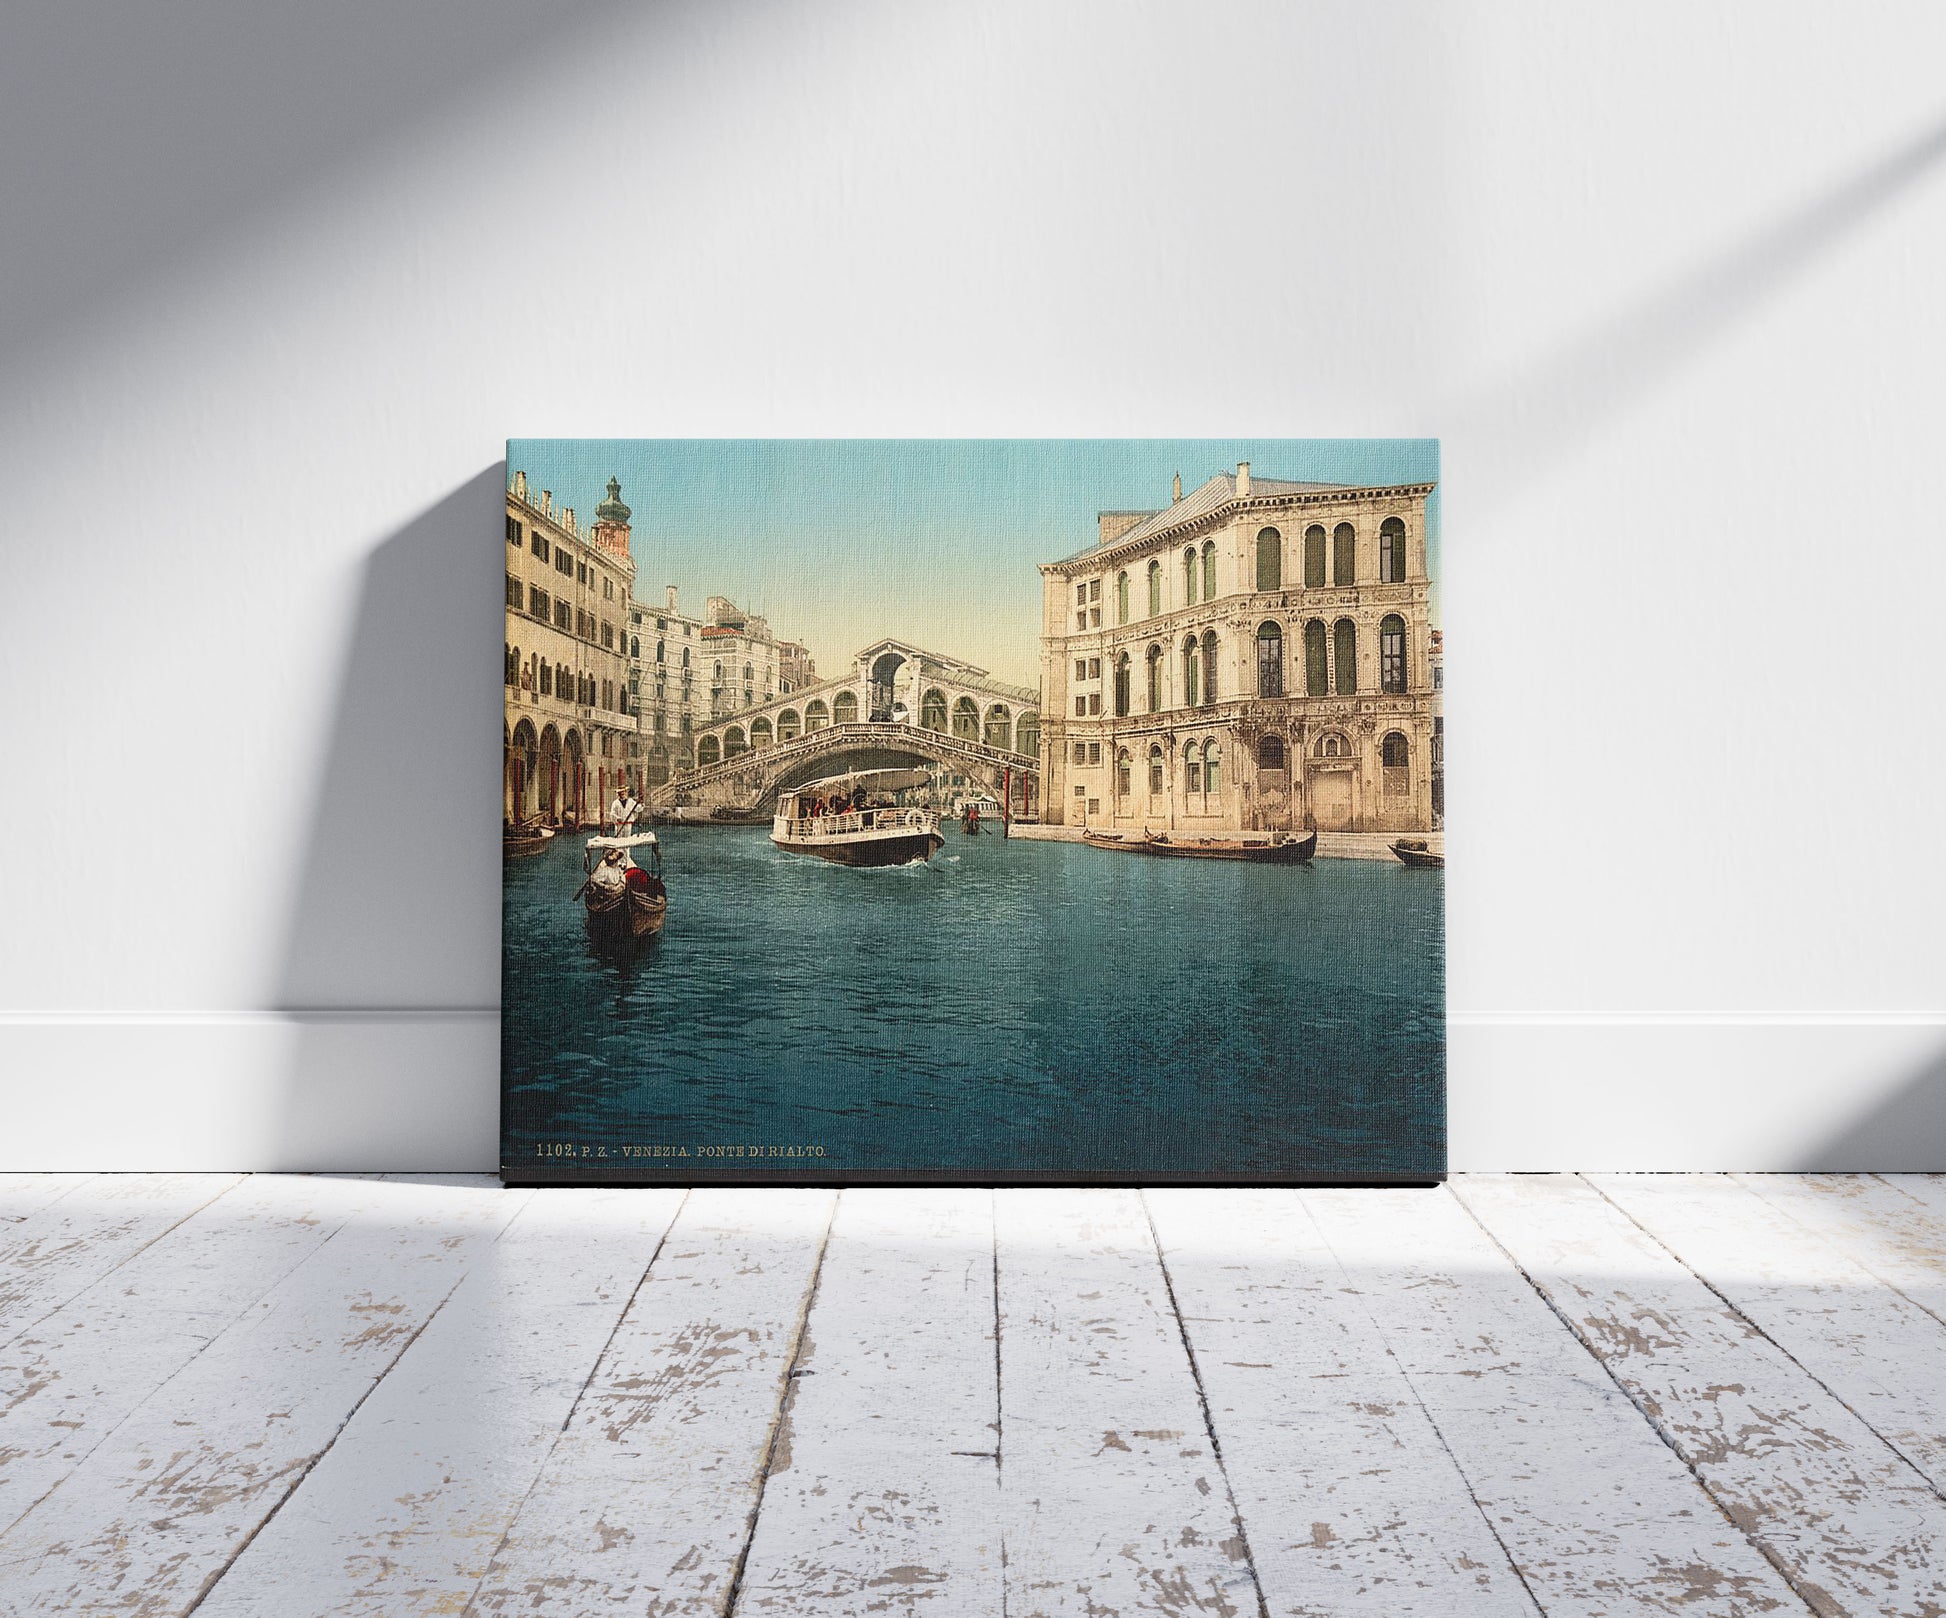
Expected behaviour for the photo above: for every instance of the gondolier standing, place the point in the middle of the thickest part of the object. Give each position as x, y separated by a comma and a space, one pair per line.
622, 810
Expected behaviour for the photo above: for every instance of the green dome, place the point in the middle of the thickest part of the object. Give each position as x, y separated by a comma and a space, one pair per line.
612, 509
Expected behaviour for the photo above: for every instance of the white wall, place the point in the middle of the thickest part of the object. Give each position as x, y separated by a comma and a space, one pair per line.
279, 281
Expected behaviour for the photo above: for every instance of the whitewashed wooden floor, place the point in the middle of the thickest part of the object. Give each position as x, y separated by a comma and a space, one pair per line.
1566, 1395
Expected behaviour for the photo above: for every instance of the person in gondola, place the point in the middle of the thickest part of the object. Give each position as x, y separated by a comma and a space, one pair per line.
622, 810
611, 876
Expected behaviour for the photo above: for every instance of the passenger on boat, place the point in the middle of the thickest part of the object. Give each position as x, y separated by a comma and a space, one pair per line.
611, 876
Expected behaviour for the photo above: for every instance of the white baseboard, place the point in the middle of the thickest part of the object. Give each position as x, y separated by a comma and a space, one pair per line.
419, 1090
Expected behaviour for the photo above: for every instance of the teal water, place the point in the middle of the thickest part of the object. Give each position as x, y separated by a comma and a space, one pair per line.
1012, 1007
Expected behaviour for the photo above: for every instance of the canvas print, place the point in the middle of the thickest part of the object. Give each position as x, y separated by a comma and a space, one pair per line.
984, 811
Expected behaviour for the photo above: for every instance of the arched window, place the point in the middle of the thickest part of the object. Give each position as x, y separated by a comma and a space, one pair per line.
685, 657
1270, 659
634, 645
1333, 745
1393, 751
1155, 589
1344, 554
1313, 557
1209, 570
1209, 667
660, 648
1344, 648
1123, 771
1155, 679
1212, 767
966, 720
1391, 551
1317, 664
1270, 560
707, 751
719, 671
759, 734
1121, 598
1391, 653
1000, 726
733, 742
789, 725
513, 664
1027, 735
1191, 670
1270, 752
1189, 577
545, 684
816, 715
1155, 769
1192, 769
844, 708
932, 711
1121, 686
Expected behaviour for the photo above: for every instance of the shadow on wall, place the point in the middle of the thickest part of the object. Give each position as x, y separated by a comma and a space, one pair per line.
1904, 1134
392, 958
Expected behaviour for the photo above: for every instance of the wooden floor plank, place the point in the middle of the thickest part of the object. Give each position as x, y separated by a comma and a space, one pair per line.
883, 1495
23, 1194
73, 1377
60, 1249
645, 1503
1351, 1502
154, 1514
1599, 1516
403, 1514
1894, 1224
1873, 1348
1852, 1524
1113, 1499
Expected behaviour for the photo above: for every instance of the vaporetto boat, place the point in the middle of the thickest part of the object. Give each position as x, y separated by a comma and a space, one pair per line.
863, 832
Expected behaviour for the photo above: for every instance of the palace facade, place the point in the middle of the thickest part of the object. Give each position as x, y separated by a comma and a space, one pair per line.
570, 728
1255, 656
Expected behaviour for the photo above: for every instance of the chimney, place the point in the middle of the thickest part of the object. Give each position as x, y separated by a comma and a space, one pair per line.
1243, 480
520, 485
672, 600
1175, 493
547, 502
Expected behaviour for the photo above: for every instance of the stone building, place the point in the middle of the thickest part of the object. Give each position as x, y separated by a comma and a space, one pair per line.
1255, 656
570, 730
741, 657
665, 661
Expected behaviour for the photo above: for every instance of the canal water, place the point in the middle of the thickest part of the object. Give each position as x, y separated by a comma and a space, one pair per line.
1012, 1007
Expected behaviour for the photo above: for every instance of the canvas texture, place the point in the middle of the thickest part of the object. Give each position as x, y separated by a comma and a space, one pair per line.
976, 811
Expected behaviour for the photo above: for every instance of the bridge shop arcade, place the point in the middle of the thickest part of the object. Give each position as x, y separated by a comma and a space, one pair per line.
895, 700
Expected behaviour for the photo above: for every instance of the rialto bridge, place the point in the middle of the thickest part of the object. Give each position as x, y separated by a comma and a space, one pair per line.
897, 704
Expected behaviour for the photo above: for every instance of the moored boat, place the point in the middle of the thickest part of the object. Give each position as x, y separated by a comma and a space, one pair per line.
623, 902
847, 820
1275, 849
1413, 851
517, 842
1122, 841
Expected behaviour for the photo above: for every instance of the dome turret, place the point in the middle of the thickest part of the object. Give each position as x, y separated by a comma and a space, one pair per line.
612, 509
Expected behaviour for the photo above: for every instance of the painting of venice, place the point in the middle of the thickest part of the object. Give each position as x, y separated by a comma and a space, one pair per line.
982, 811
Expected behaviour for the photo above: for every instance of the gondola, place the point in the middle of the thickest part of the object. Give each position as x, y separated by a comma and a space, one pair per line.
636, 908
517, 842
1413, 851
1276, 849
1122, 842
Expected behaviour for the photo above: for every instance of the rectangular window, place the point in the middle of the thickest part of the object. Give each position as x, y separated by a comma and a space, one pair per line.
563, 616
1081, 792
1080, 707
514, 595
1094, 668
564, 563
607, 634
1081, 619
581, 573
514, 535
537, 601
539, 543
1081, 595
1094, 617
1094, 702
1081, 752
607, 589
1081, 668
1094, 752
1094, 589
1094, 806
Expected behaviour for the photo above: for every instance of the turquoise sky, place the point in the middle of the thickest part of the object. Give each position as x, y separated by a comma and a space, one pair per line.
841, 541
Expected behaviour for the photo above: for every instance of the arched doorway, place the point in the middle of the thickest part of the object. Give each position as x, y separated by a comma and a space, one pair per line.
547, 779
574, 806
523, 770
884, 675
